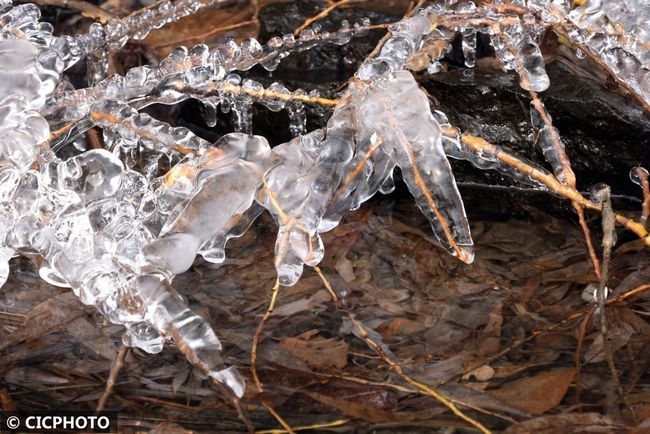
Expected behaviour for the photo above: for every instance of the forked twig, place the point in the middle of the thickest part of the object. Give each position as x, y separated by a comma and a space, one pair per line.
421, 386
571, 318
427, 390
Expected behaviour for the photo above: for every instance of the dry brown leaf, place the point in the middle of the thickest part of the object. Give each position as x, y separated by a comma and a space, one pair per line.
401, 327
46, 317
309, 303
565, 423
169, 428
316, 351
345, 269
538, 393
360, 411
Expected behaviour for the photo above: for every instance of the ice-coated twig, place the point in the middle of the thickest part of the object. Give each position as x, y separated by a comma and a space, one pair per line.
595, 29
639, 175
479, 146
181, 71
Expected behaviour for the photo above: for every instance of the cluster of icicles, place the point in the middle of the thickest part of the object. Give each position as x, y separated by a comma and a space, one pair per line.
108, 225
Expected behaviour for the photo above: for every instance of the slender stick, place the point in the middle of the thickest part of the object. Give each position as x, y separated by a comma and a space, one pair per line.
573, 317
427, 390
645, 188
116, 367
321, 15
423, 387
603, 196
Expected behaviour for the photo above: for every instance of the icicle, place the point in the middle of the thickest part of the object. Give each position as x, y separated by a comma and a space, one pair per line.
412, 136
517, 50
286, 191
469, 46
297, 116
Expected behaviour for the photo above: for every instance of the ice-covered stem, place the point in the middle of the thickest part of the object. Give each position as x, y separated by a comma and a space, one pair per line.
29, 74
237, 96
229, 55
378, 80
480, 146
458, 149
118, 31
22, 22
125, 121
140, 23
196, 68
169, 314
96, 253
548, 139
413, 139
640, 176
224, 184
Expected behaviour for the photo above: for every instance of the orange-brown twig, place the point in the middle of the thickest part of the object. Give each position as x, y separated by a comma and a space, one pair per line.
421, 386
276, 415
258, 332
325, 12
478, 144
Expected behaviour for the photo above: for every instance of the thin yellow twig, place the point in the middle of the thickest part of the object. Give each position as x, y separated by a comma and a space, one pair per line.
333, 424
276, 415
329, 288
423, 387
274, 295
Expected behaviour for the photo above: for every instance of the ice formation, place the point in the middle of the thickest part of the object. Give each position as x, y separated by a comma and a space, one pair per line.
109, 226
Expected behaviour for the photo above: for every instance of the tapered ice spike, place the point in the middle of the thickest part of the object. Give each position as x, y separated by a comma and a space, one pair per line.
411, 135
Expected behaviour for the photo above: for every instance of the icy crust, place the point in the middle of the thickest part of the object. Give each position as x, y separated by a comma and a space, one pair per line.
28, 76
87, 218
